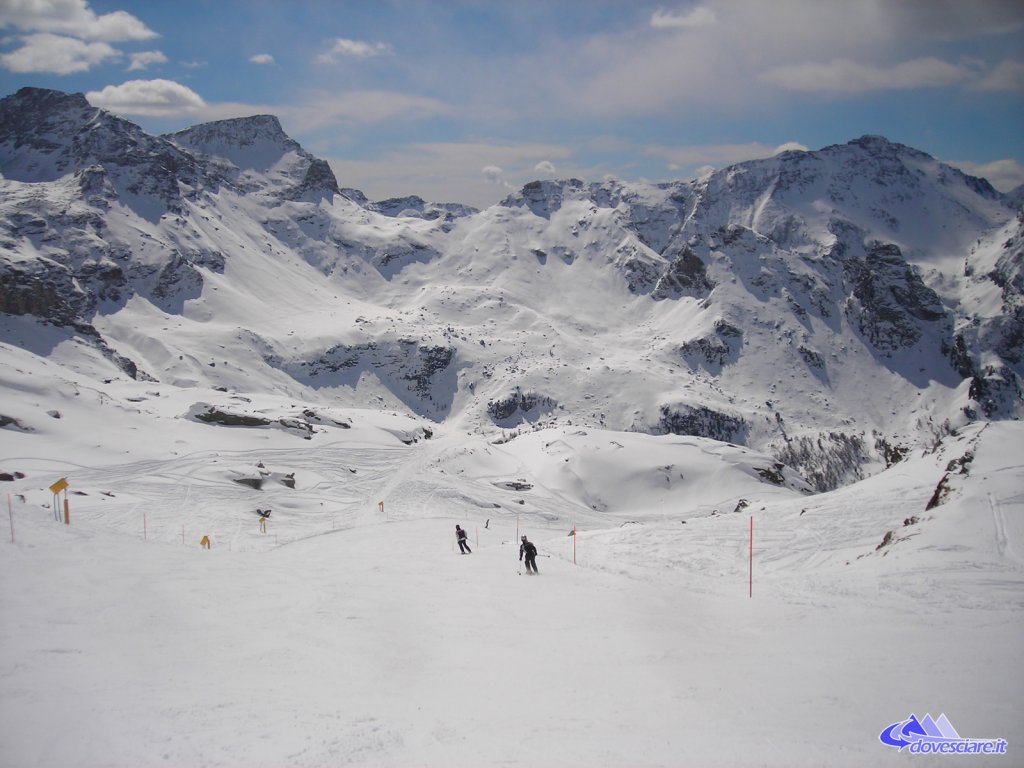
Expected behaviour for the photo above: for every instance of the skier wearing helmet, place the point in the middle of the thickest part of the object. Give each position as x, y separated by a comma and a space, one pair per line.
460, 534
527, 548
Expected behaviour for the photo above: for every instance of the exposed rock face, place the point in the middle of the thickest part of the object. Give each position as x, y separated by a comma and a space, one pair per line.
414, 206
715, 350
890, 301
519, 407
257, 156
543, 198
777, 302
422, 374
1006, 331
45, 135
686, 276
701, 421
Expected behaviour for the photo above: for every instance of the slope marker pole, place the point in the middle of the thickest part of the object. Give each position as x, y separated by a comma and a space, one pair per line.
750, 577
10, 511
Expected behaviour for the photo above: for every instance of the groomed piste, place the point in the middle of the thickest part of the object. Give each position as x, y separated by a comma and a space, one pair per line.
351, 632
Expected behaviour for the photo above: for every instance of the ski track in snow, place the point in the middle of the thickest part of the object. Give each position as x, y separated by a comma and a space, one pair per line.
344, 636
350, 635
1002, 543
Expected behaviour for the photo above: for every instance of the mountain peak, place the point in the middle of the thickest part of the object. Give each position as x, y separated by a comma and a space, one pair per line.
256, 142
879, 146
47, 99
235, 132
46, 134
37, 111
872, 141
544, 196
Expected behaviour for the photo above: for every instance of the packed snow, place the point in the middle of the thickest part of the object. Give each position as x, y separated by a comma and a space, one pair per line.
243, 410
351, 632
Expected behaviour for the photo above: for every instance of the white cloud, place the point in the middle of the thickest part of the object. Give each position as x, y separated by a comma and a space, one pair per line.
477, 174
700, 16
1007, 76
546, 167
262, 58
717, 155
65, 36
789, 146
1004, 175
343, 48
154, 98
140, 61
73, 18
56, 54
361, 108
798, 45
844, 75
949, 20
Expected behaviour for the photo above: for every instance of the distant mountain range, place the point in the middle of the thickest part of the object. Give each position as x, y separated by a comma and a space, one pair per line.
833, 308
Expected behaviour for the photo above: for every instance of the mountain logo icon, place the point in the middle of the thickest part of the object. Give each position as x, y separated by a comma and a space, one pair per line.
936, 736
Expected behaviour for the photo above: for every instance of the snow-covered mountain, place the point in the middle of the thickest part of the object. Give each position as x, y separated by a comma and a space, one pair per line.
831, 308
655, 382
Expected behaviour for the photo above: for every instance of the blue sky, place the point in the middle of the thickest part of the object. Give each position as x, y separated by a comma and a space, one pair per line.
465, 100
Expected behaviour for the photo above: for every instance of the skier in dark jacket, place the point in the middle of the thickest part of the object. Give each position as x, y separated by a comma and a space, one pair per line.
463, 544
527, 548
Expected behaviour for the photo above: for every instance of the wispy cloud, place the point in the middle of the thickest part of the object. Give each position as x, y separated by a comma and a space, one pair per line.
262, 58
466, 172
1006, 76
1004, 175
748, 51
707, 156
492, 173
700, 16
361, 108
790, 146
342, 48
145, 59
844, 75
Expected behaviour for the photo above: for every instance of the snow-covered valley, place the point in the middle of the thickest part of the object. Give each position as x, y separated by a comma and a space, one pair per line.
779, 406
348, 633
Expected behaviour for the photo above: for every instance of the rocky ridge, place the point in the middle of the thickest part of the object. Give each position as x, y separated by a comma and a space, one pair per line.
832, 307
